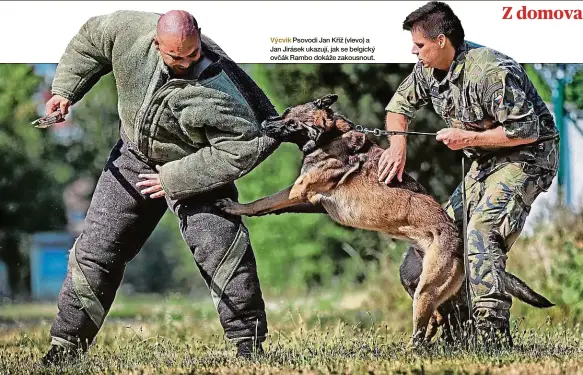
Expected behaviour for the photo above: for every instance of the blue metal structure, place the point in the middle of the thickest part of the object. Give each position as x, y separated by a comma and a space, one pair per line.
48, 263
4, 287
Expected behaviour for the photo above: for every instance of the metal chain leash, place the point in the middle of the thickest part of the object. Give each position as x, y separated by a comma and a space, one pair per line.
381, 132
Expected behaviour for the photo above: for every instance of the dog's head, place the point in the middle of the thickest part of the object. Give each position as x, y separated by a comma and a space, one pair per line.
304, 124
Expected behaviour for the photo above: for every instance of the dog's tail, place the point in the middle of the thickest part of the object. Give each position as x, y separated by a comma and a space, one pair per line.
523, 292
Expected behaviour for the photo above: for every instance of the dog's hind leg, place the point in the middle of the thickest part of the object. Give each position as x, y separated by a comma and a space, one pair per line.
410, 273
441, 277
451, 315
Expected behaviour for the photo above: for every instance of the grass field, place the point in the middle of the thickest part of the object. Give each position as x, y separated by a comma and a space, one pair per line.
332, 334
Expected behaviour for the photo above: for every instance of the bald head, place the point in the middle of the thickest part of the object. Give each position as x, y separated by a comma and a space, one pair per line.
178, 40
177, 23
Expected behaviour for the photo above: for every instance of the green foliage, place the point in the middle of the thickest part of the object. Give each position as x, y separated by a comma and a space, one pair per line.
571, 283
574, 91
28, 189
565, 279
549, 261
539, 83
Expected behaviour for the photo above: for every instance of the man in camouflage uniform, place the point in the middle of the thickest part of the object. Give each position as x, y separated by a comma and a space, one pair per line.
495, 115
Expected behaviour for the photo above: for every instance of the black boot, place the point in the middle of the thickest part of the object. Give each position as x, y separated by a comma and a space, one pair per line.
247, 349
495, 335
58, 355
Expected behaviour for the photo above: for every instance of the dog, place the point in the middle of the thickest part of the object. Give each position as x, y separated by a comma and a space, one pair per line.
339, 177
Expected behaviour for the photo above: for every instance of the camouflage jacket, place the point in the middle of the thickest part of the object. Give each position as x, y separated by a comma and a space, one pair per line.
203, 130
484, 84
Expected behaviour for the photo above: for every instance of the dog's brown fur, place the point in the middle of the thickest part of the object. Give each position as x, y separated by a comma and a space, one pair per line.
339, 176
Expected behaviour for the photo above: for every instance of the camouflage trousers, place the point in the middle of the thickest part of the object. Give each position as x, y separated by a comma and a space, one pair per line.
499, 199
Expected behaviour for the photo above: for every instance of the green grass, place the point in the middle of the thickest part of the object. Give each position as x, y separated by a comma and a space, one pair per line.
363, 330
314, 335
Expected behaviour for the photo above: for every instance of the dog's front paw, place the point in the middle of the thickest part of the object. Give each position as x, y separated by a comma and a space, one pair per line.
227, 205
418, 343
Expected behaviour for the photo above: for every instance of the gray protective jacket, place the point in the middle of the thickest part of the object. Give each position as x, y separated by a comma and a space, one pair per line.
203, 131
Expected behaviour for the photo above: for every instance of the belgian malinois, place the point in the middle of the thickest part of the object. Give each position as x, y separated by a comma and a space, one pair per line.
339, 177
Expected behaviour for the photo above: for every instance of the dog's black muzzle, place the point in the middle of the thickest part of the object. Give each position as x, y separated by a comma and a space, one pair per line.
272, 126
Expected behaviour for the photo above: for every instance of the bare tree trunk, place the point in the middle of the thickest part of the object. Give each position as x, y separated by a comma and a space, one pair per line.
11, 255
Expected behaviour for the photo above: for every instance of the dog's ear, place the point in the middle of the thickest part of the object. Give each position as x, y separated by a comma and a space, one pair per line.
354, 140
326, 101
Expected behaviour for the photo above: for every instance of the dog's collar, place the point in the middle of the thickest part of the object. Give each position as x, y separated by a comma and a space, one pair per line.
312, 144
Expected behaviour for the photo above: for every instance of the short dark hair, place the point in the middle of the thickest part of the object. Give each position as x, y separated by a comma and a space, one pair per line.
436, 18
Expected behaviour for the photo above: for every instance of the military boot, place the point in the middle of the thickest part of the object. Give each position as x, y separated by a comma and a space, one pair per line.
247, 349
58, 355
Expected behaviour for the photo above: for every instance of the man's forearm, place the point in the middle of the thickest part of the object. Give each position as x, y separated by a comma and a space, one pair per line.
398, 122
496, 137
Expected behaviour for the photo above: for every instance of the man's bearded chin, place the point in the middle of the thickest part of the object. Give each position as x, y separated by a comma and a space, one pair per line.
185, 71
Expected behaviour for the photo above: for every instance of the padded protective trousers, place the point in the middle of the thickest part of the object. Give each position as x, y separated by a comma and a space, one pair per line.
118, 223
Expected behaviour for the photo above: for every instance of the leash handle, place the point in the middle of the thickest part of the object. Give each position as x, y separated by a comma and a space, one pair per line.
46, 121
